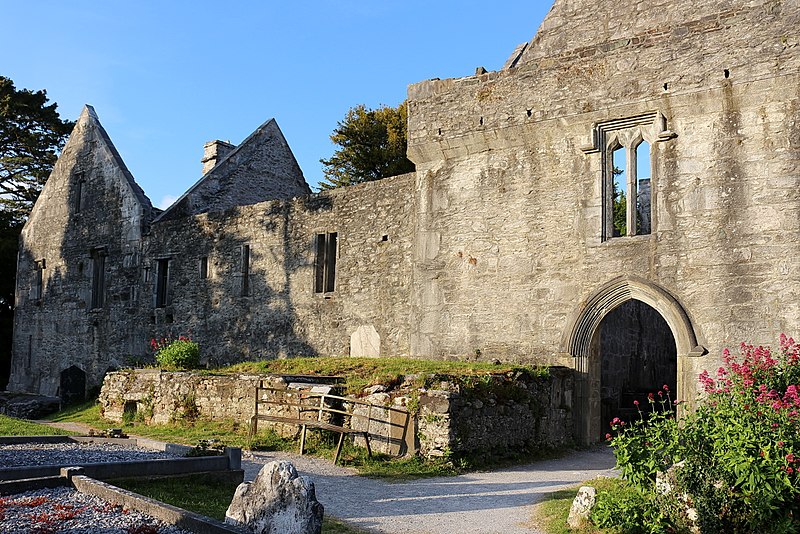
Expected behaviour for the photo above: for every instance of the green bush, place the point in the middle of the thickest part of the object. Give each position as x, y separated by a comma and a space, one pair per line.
627, 509
179, 354
739, 451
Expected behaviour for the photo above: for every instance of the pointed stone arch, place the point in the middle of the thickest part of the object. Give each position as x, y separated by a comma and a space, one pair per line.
582, 342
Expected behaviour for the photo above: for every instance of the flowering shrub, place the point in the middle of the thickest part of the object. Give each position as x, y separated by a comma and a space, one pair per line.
739, 451
182, 353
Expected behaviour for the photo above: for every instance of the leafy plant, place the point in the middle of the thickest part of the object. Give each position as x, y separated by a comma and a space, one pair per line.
739, 451
181, 353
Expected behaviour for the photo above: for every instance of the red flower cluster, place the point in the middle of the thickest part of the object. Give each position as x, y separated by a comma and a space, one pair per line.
157, 344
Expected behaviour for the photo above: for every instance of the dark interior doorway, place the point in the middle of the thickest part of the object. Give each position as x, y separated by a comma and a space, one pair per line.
73, 385
638, 356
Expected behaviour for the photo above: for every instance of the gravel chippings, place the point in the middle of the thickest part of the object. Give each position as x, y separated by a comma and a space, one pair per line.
67, 510
494, 502
30, 454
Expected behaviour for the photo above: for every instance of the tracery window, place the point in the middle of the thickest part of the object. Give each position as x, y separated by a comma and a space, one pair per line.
627, 187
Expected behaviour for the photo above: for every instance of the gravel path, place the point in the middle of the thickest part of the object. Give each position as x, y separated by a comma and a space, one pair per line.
67, 510
491, 502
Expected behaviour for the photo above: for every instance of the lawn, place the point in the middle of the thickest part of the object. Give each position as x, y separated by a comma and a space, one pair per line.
551, 514
10, 426
361, 372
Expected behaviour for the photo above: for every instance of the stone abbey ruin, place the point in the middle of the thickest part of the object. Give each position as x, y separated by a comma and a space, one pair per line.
622, 198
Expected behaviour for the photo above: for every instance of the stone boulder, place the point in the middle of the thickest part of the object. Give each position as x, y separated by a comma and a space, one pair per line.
28, 406
581, 506
277, 501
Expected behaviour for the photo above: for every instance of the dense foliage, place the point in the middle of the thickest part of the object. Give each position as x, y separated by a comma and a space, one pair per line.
372, 145
181, 353
31, 134
733, 463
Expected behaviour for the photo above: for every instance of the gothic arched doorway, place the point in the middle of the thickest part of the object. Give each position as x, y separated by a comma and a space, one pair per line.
584, 342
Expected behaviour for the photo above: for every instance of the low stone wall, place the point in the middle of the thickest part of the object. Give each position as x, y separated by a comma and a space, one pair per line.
487, 415
158, 397
497, 414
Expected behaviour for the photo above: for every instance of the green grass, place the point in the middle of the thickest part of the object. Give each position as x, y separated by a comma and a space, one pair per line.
87, 413
361, 372
551, 514
10, 426
204, 495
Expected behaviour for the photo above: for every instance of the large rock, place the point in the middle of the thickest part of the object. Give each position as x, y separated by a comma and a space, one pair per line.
278, 501
28, 406
582, 506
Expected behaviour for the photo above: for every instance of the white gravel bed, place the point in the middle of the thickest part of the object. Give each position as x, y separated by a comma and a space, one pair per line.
66, 510
32, 454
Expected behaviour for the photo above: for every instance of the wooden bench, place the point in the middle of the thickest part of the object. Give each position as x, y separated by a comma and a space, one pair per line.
310, 410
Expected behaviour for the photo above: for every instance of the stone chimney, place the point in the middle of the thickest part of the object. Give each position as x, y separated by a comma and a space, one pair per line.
213, 152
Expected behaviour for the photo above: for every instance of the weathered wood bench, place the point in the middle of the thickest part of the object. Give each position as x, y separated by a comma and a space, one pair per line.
310, 410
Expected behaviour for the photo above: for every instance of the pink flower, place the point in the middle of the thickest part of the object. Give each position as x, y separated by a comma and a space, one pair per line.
608, 437
636, 403
790, 458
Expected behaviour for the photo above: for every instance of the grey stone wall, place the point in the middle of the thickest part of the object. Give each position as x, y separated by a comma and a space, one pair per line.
509, 198
497, 417
495, 247
157, 397
281, 315
89, 207
506, 413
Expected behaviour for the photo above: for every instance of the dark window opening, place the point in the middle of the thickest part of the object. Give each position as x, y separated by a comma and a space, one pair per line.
78, 200
325, 263
38, 281
204, 267
98, 278
162, 282
245, 270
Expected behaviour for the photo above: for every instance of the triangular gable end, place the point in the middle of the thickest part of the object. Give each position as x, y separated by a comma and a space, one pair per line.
261, 168
87, 137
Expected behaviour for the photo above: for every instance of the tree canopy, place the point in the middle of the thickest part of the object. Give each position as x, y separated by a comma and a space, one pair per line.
372, 145
31, 134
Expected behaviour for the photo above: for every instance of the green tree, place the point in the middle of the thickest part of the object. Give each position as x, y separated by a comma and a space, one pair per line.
31, 134
620, 206
372, 145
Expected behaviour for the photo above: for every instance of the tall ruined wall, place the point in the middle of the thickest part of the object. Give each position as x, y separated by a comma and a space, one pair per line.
510, 190
274, 310
87, 225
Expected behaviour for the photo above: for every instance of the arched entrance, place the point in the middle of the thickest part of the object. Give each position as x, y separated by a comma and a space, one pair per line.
637, 357
584, 343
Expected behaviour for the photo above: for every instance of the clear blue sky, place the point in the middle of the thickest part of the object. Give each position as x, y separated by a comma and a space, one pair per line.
167, 76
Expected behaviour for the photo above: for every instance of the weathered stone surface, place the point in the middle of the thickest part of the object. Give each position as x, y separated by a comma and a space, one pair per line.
277, 501
498, 245
25, 406
365, 342
581, 506
538, 415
